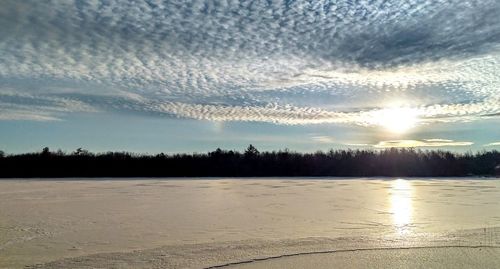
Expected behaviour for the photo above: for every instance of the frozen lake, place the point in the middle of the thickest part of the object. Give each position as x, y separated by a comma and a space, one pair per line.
188, 223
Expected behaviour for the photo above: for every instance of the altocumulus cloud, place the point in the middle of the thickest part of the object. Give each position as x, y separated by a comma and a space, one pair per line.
285, 62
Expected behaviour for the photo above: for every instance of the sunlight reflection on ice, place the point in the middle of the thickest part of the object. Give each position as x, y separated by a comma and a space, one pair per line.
401, 204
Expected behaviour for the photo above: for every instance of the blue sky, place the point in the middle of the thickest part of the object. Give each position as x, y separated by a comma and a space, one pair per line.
184, 76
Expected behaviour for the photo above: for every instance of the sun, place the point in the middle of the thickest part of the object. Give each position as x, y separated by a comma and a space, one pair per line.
396, 119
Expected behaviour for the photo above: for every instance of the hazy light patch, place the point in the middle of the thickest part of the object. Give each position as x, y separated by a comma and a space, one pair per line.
218, 126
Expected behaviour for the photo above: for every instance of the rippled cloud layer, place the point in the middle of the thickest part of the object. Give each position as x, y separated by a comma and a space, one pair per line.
283, 62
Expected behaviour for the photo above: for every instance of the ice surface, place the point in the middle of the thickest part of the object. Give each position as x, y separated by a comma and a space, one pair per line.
194, 223
427, 257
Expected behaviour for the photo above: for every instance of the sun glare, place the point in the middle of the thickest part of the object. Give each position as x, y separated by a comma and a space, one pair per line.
401, 204
396, 119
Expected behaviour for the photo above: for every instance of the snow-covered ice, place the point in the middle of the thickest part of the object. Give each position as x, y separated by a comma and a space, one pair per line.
198, 223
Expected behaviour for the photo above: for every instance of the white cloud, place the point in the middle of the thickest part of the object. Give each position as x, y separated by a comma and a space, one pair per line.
272, 113
421, 143
357, 144
324, 139
24, 106
438, 140
492, 144
27, 115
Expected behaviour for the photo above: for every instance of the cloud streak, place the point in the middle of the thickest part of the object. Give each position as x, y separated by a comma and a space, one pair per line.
421, 143
324, 139
493, 144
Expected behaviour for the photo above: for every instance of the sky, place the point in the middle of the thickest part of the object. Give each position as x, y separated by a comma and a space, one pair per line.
190, 76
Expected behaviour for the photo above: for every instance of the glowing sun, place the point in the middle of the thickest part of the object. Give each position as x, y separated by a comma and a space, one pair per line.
396, 119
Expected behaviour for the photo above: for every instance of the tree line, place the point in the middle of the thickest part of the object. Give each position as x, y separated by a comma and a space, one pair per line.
251, 163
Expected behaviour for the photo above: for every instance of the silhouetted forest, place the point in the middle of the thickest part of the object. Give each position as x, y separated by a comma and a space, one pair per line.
251, 163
